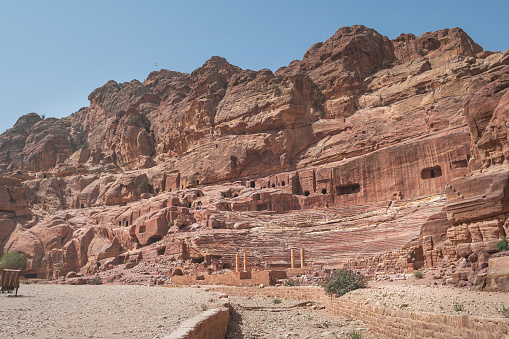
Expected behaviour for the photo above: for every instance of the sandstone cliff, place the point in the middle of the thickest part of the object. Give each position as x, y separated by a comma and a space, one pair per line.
224, 160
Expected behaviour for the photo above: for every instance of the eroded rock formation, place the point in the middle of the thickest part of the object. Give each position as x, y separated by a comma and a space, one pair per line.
375, 153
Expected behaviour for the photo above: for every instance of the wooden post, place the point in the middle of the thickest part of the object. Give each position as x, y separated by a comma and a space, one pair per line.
245, 262
302, 260
237, 262
292, 256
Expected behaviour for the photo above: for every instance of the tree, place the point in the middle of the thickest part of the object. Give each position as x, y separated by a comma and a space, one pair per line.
13, 260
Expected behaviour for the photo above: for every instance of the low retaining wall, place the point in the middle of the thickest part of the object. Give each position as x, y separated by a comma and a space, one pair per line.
386, 322
211, 324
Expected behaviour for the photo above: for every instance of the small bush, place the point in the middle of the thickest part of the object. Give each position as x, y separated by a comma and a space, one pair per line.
502, 245
276, 301
418, 274
458, 307
504, 311
13, 260
96, 281
204, 307
343, 281
291, 282
192, 180
143, 186
354, 335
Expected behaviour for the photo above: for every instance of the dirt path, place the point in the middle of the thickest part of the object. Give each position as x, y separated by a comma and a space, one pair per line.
261, 317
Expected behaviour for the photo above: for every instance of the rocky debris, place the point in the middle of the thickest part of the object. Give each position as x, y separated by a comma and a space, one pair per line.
261, 317
424, 296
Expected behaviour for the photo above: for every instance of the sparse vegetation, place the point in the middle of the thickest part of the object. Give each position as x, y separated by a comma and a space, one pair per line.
420, 52
354, 335
143, 186
13, 260
342, 281
403, 306
204, 307
502, 245
319, 98
291, 282
385, 63
133, 120
192, 180
458, 307
276, 301
504, 311
96, 280
418, 274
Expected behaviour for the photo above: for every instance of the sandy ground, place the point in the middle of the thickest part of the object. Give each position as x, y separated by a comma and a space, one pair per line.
412, 296
129, 311
104, 311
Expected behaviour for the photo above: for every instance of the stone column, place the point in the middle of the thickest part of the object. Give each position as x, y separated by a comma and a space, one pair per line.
302, 260
237, 262
245, 262
292, 256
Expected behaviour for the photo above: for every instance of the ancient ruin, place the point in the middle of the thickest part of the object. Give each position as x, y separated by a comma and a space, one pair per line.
376, 154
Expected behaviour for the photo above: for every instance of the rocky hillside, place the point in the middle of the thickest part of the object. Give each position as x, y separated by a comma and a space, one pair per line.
349, 153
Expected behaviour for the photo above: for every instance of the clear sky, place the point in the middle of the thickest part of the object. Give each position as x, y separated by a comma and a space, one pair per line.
55, 53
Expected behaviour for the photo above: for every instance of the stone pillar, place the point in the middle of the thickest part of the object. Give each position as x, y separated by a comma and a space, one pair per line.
302, 260
237, 262
292, 256
245, 262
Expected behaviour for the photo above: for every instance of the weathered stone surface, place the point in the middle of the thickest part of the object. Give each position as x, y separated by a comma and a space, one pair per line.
352, 145
477, 197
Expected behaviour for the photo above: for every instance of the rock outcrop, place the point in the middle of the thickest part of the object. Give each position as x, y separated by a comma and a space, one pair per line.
380, 154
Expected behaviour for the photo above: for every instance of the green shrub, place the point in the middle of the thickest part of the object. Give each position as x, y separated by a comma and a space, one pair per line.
343, 281
502, 245
96, 280
192, 180
204, 307
354, 335
417, 274
13, 260
458, 307
291, 282
276, 301
143, 186
504, 311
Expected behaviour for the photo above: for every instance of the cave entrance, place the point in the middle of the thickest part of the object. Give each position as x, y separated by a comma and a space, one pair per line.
306, 193
198, 260
324, 191
431, 172
253, 184
142, 229
177, 271
348, 189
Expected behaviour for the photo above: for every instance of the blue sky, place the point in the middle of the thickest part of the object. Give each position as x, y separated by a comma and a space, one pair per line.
55, 53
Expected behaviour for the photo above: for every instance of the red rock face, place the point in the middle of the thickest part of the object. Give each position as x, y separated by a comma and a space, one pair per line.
358, 129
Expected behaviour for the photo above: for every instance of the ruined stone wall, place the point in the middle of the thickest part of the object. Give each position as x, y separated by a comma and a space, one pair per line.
385, 322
